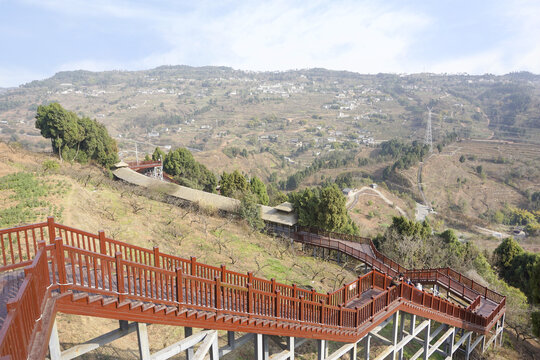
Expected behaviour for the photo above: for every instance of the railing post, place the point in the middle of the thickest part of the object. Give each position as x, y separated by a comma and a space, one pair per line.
301, 309
250, 277
179, 286
273, 285
157, 261
218, 293
120, 277
61, 263
372, 278
295, 291
250, 299
313, 292
340, 315
223, 273
357, 317
372, 308
102, 243
193, 265
52, 229
322, 311
278, 304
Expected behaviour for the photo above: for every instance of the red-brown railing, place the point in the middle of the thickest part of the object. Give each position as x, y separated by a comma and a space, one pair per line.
19, 245
25, 310
447, 277
81, 261
147, 275
143, 164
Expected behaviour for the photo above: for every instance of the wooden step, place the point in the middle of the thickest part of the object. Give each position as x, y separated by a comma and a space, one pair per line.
148, 306
94, 298
122, 304
135, 304
108, 301
79, 296
170, 309
159, 308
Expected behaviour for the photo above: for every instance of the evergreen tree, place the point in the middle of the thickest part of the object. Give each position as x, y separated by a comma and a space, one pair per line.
158, 154
233, 185
74, 138
180, 164
258, 188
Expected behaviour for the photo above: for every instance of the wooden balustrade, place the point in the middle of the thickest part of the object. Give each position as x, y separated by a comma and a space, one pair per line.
25, 310
98, 265
19, 245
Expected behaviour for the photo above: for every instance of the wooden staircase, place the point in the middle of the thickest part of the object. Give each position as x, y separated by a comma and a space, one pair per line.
76, 272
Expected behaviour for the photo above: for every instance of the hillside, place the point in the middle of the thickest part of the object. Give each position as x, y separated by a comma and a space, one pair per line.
295, 114
84, 197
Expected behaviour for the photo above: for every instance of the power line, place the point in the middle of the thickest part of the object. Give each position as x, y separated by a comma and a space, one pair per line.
429, 136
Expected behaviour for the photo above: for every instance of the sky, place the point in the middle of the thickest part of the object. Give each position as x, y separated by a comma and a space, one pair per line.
41, 37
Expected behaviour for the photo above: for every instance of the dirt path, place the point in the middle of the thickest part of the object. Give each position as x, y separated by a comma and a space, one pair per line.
353, 199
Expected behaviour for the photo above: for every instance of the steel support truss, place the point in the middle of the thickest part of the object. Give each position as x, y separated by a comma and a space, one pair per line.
400, 333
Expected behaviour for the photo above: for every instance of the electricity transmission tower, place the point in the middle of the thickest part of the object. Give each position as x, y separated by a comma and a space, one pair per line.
429, 137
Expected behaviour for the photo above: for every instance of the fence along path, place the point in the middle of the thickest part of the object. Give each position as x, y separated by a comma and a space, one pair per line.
487, 302
90, 274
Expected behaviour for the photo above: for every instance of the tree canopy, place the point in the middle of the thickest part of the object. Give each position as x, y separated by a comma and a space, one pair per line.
74, 138
233, 184
323, 208
158, 155
181, 165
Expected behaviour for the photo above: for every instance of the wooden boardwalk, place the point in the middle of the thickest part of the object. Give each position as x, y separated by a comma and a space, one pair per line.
90, 274
10, 282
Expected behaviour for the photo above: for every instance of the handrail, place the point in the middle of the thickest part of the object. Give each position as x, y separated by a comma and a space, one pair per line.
445, 276
81, 261
25, 310
393, 268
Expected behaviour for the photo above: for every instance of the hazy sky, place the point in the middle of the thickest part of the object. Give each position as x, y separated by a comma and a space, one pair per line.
41, 37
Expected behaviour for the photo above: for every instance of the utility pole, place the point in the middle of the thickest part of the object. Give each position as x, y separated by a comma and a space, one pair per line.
429, 137
136, 153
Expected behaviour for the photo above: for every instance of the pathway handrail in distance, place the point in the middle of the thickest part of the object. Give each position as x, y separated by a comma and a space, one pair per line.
445, 276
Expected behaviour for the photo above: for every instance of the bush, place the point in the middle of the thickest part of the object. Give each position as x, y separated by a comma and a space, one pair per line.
50, 165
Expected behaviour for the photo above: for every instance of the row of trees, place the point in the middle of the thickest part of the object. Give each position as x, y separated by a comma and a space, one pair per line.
333, 160
237, 185
74, 138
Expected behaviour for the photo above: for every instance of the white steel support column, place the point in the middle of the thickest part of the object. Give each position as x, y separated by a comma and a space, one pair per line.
322, 351
502, 329
290, 345
258, 347
188, 331
395, 333
54, 344
352, 352
366, 346
426, 341
142, 337
401, 333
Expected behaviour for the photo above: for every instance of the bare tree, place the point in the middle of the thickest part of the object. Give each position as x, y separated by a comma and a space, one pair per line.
136, 205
